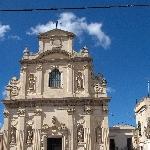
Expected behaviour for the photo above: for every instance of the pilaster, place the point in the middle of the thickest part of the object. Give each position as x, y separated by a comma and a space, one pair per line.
71, 111
69, 80
39, 80
86, 80
21, 129
105, 127
37, 129
6, 129
23, 80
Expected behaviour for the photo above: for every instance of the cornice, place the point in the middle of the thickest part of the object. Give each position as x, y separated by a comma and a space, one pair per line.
68, 101
71, 60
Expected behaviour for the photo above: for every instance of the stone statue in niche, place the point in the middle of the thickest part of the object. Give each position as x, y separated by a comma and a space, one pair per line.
147, 130
79, 81
80, 133
29, 135
31, 83
98, 132
13, 134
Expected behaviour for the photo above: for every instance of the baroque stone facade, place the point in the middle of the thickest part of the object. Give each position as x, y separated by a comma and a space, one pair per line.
57, 101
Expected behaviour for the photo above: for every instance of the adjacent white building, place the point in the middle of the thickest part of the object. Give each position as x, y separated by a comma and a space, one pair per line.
121, 137
142, 133
57, 102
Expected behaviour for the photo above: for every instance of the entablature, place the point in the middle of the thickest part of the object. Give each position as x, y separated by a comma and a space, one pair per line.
68, 101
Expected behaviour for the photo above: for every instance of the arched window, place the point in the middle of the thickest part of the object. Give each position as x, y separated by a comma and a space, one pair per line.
55, 78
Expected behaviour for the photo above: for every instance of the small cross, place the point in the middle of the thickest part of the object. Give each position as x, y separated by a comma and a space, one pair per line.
56, 24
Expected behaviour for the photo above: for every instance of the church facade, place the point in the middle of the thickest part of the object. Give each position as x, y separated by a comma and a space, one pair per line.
57, 103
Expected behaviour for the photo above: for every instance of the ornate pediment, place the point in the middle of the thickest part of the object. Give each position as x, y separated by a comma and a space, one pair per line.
56, 32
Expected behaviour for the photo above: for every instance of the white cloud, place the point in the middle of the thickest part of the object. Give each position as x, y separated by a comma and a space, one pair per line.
14, 37
79, 26
110, 90
3, 30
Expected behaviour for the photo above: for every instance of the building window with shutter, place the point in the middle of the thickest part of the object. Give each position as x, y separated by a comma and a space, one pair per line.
55, 79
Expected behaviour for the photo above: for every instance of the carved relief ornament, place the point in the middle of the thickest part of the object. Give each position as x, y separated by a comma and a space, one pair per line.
13, 135
21, 112
57, 128
147, 130
39, 68
80, 133
38, 111
29, 134
88, 110
13, 87
71, 110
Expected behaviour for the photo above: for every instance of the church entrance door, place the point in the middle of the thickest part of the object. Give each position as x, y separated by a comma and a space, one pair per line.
54, 144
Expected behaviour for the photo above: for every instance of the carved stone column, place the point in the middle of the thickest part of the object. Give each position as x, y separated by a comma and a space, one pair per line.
105, 127
39, 80
71, 127
21, 129
6, 129
37, 129
23, 80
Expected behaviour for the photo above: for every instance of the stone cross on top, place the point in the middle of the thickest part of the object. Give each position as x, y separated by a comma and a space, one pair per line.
56, 24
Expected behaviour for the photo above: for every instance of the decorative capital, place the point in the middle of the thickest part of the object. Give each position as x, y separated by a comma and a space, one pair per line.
105, 108
88, 110
39, 68
23, 68
21, 112
71, 110
85, 66
38, 111
69, 66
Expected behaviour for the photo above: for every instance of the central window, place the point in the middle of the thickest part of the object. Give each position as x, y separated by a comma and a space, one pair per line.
55, 79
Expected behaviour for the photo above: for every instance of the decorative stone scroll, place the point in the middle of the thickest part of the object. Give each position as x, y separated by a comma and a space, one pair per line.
99, 85
13, 87
31, 83
80, 133
105, 108
29, 134
147, 130
13, 135
6, 113
79, 81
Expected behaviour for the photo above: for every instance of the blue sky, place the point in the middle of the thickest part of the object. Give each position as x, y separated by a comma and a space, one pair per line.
119, 47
